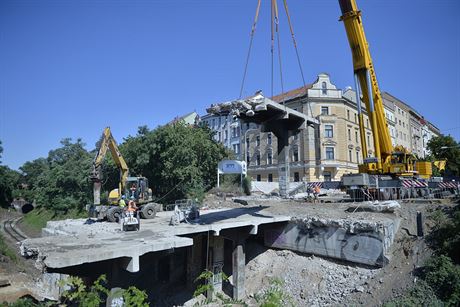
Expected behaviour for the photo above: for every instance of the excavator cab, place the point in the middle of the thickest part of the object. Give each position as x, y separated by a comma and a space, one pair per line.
138, 188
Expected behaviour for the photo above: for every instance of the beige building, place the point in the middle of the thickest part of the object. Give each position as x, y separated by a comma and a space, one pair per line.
327, 151
321, 153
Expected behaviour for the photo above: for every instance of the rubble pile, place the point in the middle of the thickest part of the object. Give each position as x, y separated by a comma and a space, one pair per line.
308, 280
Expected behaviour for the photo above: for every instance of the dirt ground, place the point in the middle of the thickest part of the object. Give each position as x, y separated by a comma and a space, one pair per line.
316, 281
309, 280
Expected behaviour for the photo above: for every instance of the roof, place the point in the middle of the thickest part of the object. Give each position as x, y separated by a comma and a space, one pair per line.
292, 94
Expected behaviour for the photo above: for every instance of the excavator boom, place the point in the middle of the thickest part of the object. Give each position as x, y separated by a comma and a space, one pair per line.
108, 143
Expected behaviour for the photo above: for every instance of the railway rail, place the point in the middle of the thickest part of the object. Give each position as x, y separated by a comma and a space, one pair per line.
9, 228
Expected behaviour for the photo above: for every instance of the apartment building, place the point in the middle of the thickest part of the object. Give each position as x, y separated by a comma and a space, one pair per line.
333, 148
227, 131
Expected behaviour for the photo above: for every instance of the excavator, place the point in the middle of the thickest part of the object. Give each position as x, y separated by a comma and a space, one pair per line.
390, 165
136, 188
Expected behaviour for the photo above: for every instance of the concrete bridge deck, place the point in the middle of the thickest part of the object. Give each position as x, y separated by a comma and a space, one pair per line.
72, 242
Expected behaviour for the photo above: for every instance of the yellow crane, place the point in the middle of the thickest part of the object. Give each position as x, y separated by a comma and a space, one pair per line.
388, 160
136, 188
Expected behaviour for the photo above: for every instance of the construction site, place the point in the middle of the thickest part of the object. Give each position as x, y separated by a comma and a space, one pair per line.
301, 228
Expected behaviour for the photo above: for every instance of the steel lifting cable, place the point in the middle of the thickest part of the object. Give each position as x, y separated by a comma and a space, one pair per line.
276, 22
296, 49
272, 46
253, 30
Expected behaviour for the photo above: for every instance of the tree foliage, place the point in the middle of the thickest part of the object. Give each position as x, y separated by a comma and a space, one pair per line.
179, 160
60, 181
446, 148
9, 179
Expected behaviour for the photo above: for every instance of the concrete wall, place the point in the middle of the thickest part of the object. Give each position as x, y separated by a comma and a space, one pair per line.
361, 242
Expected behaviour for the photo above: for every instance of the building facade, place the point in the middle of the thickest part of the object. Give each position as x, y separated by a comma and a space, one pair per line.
324, 152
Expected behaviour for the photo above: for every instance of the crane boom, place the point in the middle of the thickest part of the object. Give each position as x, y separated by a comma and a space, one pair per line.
108, 143
367, 85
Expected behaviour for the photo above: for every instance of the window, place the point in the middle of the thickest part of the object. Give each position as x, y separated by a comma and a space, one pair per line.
404, 124
348, 114
400, 135
350, 156
356, 136
269, 158
236, 148
213, 122
259, 178
258, 159
357, 157
226, 135
220, 121
296, 177
356, 118
220, 136
324, 88
329, 153
269, 138
247, 142
270, 177
368, 139
367, 123
324, 110
295, 155
247, 126
349, 134
328, 131
327, 176
404, 136
400, 122
258, 140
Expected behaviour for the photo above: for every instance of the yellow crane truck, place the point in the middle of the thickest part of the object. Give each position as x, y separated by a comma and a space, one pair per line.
393, 172
135, 188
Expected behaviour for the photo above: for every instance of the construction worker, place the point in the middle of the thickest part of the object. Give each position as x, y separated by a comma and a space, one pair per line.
132, 207
133, 190
316, 191
122, 202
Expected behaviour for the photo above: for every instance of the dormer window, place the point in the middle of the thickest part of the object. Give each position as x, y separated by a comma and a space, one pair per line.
324, 88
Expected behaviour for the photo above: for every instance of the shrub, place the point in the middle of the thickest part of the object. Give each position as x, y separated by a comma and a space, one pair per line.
247, 185
443, 277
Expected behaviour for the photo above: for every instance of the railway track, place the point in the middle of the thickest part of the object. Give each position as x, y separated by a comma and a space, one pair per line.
9, 228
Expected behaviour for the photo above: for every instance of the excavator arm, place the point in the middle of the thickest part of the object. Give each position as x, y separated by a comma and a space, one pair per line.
367, 85
108, 143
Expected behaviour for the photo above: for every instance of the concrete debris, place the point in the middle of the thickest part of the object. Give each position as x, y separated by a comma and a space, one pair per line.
310, 281
236, 107
376, 206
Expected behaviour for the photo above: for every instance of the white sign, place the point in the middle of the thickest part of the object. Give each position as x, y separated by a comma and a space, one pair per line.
232, 167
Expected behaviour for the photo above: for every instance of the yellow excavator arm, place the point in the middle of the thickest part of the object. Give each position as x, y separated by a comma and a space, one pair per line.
108, 143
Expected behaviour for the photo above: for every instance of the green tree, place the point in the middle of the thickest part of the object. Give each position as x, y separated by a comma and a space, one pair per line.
179, 160
9, 180
446, 148
60, 182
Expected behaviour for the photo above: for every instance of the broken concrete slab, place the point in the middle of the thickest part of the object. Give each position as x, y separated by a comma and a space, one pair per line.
360, 241
72, 242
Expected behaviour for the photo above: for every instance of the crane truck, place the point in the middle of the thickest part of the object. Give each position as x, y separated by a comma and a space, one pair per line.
390, 173
136, 188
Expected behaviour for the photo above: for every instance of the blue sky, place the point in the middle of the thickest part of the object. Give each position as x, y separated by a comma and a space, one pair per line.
70, 68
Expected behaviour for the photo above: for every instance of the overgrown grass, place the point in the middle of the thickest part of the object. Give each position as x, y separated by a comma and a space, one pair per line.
35, 220
7, 251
